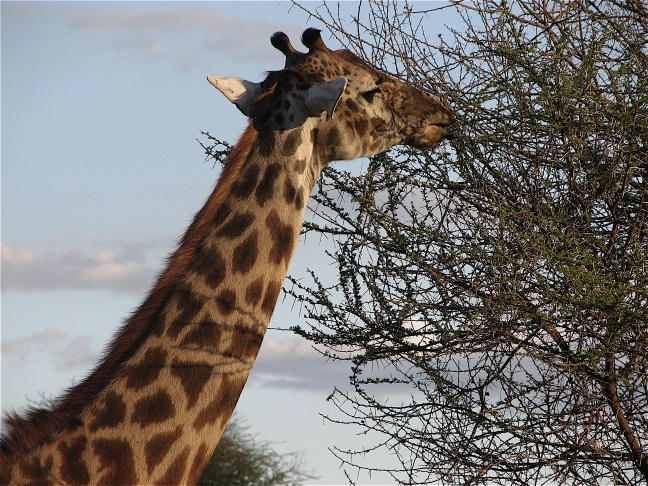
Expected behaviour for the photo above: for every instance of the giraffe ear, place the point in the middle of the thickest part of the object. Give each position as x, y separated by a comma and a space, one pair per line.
239, 91
325, 96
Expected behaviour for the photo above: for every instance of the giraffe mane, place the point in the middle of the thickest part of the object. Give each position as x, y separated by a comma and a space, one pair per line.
25, 430
261, 106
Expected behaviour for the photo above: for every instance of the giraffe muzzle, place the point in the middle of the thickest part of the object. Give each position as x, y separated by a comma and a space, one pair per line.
450, 135
431, 136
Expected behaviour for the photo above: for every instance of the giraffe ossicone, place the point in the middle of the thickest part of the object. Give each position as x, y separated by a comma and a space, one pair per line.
155, 406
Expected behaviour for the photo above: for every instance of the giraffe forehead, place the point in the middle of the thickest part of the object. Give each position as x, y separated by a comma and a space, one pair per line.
331, 64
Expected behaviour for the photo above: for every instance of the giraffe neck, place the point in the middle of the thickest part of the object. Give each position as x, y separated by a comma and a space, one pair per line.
154, 410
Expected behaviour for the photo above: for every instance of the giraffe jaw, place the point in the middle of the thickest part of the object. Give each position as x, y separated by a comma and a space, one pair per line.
431, 136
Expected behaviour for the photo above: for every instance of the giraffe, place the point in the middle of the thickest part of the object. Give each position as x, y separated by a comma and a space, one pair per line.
154, 408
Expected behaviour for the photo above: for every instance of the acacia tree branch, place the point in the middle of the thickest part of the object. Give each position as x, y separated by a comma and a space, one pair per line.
638, 455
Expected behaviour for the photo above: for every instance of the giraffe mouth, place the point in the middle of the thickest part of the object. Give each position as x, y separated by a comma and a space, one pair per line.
431, 136
450, 135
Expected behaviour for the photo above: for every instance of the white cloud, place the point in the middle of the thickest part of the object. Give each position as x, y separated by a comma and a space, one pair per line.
29, 9
189, 37
145, 46
64, 352
26, 270
291, 362
158, 50
176, 20
77, 353
155, 34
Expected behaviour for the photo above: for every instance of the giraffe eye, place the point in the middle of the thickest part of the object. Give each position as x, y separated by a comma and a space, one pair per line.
369, 95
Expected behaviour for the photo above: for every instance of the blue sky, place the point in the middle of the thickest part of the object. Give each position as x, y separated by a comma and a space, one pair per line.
102, 103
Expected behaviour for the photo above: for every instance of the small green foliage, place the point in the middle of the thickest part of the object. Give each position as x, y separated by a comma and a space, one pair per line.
241, 460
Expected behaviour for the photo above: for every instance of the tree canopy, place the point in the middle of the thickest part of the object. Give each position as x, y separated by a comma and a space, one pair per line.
242, 460
498, 283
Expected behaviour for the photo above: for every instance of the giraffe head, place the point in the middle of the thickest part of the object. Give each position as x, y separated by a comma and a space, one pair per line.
352, 109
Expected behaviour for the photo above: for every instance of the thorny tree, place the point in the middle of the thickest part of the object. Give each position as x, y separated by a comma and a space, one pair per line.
501, 283
241, 460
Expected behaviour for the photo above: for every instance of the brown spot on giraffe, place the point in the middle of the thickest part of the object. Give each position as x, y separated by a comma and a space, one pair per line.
116, 461
243, 187
155, 408
361, 125
210, 264
36, 471
270, 297
300, 166
201, 334
177, 468
244, 343
201, 458
73, 468
266, 148
292, 143
190, 305
228, 394
158, 447
313, 135
300, 200
265, 189
254, 292
221, 214
351, 105
332, 137
236, 225
109, 414
143, 373
282, 238
246, 253
193, 378
290, 193
226, 302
